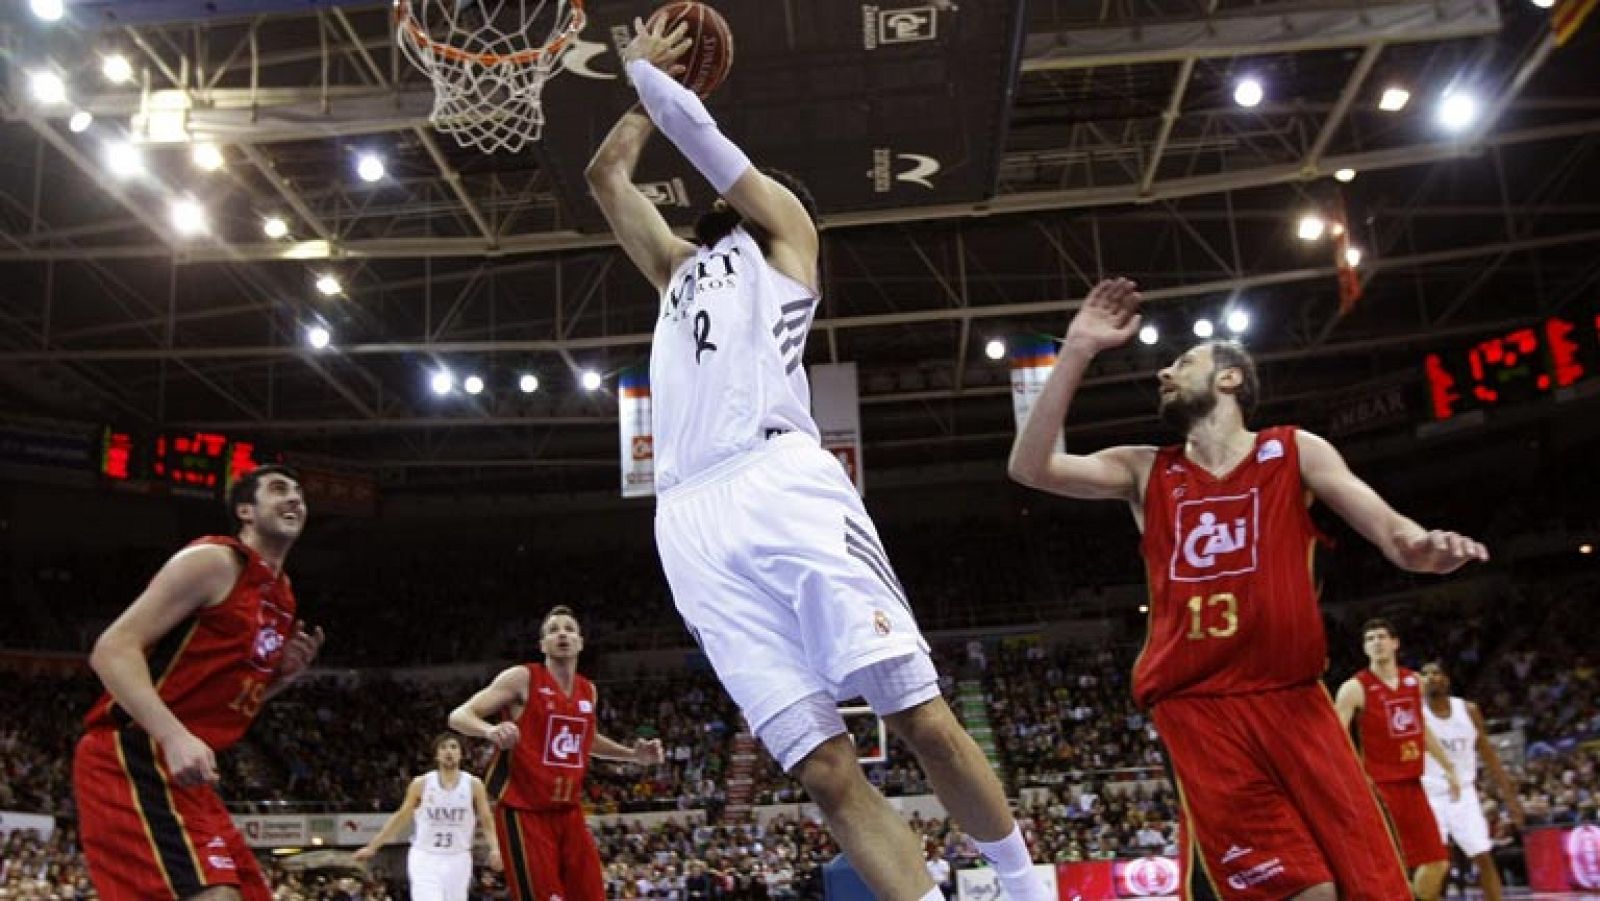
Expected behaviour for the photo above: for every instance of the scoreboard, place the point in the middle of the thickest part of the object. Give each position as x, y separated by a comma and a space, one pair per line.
1521, 365
204, 462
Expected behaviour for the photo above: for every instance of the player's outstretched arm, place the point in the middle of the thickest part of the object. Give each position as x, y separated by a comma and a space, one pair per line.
195, 577
1503, 782
480, 803
1108, 317
396, 823
1348, 702
508, 689
638, 225
1406, 544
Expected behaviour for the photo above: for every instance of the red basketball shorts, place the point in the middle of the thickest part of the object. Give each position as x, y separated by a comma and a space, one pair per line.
1414, 822
1274, 800
549, 855
146, 837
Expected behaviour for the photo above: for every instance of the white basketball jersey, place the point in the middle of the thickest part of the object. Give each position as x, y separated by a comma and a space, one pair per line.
1459, 736
444, 819
725, 364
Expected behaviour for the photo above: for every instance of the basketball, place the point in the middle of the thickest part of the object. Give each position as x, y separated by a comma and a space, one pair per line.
710, 53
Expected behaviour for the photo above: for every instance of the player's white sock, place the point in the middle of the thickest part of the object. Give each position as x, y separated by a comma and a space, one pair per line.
1011, 862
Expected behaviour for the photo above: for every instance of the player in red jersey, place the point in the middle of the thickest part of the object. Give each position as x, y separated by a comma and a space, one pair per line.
186, 669
1394, 737
1274, 800
536, 778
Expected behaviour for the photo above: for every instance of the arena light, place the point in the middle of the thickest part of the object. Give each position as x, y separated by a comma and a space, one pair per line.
189, 217
591, 380
1149, 335
442, 382
995, 349
48, 10
46, 87
1203, 328
80, 121
1456, 111
207, 156
124, 159
1144, 608
274, 227
116, 69
370, 167
529, 383
1238, 322
1585, 549
1394, 99
1247, 92
1352, 257
1345, 175
318, 337
473, 384
1544, 4
1311, 227
328, 285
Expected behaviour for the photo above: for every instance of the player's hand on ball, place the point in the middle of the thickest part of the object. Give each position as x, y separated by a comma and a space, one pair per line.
504, 735
648, 753
1438, 551
190, 760
301, 650
654, 47
1108, 317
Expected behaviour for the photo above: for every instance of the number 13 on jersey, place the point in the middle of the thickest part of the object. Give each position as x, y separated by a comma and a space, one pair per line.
1216, 616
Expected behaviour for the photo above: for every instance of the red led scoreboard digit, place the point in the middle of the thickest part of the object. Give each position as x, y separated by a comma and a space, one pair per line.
1520, 365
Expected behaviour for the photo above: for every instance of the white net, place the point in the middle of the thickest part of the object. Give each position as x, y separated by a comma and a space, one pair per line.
488, 61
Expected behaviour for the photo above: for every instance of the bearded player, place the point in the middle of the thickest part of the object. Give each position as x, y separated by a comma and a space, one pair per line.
1275, 802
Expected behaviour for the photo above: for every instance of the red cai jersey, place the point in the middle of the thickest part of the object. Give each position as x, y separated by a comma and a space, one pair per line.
212, 670
1233, 608
1393, 744
545, 771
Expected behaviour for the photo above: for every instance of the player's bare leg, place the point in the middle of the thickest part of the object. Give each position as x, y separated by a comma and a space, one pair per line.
1488, 876
873, 835
956, 768
1428, 882
1322, 891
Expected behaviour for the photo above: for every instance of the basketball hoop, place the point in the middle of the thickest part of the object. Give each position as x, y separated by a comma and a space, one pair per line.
487, 71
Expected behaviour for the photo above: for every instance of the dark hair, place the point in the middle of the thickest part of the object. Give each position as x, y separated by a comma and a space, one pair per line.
1379, 622
1232, 355
441, 738
557, 610
244, 490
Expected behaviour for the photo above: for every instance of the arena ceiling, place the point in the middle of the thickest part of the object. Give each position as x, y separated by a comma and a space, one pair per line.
1075, 139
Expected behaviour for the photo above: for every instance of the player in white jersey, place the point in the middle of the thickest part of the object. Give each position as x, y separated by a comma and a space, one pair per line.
773, 562
445, 806
1459, 728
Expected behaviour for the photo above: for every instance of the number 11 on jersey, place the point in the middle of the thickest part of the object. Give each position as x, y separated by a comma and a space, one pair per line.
561, 790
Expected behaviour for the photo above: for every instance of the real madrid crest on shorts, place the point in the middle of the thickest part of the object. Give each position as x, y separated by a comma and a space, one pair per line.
880, 622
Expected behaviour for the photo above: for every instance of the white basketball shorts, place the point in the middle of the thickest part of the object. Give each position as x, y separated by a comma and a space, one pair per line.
439, 877
1462, 820
780, 576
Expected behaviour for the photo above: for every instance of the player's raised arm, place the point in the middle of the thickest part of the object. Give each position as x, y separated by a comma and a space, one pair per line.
396, 822
508, 689
638, 225
1406, 544
1349, 701
194, 578
1108, 318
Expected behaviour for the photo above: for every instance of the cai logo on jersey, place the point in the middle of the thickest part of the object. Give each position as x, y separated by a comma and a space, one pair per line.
1215, 537
1401, 715
272, 632
564, 741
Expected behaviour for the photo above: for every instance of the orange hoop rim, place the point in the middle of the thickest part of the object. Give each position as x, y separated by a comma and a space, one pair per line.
419, 36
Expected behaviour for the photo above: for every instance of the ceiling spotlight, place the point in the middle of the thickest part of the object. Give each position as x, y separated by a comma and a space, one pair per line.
318, 336
46, 87
1238, 322
1148, 335
1311, 227
1394, 100
124, 159
188, 217
1247, 92
1544, 4
995, 349
328, 285
1456, 111
48, 10
1203, 328
1585, 549
528, 383
80, 121
591, 380
1144, 608
1345, 175
1352, 257
370, 167
207, 156
116, 68
442, 382
473, 384
274, 227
